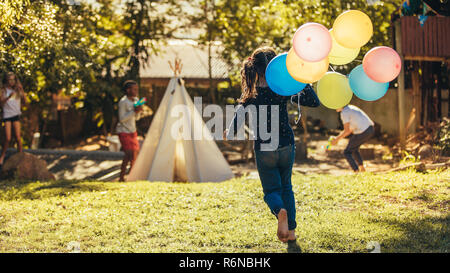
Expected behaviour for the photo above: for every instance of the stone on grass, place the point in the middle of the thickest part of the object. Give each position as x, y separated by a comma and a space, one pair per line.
27, 167
426, 151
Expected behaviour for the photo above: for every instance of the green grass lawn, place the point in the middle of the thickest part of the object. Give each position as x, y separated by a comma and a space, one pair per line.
404, 212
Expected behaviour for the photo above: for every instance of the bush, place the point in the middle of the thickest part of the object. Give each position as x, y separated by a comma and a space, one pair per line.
444, 137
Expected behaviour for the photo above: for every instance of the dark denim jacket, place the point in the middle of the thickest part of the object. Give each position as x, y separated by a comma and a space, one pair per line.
268, 98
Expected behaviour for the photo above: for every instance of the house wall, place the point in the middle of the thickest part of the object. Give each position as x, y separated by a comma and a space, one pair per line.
188, 82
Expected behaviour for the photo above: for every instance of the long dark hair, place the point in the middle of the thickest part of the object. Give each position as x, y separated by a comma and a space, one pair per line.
253, 68
17, 85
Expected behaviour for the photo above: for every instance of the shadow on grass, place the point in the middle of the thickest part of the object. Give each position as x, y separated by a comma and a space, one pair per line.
426, 235
429, 234
70, 164
30, 190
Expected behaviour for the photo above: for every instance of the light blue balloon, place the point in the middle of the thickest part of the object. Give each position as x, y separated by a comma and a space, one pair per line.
364, 87
279, 79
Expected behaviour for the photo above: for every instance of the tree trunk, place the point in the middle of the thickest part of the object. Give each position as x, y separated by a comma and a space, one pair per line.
439, 90
416, 94
134, 72
401, 88
448, 88
422, 96
62, 125
212, 90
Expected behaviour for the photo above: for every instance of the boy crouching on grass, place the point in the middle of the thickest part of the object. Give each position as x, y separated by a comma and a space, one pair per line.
126, 128
361, 127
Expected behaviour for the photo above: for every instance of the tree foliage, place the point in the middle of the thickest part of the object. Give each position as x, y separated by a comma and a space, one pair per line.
79, 49
244, 25
86, 49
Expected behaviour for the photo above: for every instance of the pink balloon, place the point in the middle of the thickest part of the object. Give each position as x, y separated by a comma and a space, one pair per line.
312, 42
382, 64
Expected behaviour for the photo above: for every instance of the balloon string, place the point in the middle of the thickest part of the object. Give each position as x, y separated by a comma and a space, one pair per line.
298, 105
353, 60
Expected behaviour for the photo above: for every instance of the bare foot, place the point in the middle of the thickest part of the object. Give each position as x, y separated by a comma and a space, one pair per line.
361, 168
283, 229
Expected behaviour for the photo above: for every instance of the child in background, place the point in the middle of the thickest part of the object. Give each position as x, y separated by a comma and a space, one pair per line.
126, 128
355, 122
11, 96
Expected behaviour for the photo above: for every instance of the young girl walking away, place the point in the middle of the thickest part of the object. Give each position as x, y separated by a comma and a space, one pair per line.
274, 165
127, 126
11, 96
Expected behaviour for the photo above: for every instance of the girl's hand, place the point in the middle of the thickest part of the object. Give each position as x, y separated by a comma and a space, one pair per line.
22, 94
19, 90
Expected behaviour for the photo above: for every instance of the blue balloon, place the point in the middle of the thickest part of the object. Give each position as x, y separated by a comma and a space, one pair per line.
364, 87
279, 79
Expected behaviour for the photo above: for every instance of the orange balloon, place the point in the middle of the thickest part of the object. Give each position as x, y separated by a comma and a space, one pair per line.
305, 72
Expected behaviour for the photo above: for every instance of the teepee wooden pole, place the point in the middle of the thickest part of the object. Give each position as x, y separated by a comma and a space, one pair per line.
176, 67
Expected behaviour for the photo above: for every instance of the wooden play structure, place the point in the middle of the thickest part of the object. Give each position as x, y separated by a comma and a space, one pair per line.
425, 52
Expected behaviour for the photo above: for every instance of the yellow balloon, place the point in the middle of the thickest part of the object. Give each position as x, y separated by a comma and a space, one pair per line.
305, 72
334, 90
340, 55
352, 29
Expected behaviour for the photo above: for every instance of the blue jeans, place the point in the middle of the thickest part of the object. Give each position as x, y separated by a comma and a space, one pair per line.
275, 171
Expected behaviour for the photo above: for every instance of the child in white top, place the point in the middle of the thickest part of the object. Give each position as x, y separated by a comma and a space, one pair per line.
361, 127
127, 126
11, 96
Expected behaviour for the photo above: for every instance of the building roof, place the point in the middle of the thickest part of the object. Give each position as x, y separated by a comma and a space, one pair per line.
194, 60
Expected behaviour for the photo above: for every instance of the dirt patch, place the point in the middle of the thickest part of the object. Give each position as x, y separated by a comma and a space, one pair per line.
321, 161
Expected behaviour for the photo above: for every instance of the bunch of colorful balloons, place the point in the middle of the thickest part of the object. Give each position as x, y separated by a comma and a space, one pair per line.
315, 48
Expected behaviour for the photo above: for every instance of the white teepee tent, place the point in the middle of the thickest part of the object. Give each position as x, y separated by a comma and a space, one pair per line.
166, 158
